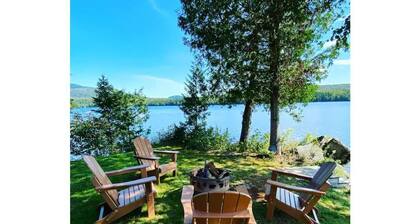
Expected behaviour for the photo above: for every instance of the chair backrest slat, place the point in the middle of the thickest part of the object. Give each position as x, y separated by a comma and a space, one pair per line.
99, 178
324, 172
200, 204
220, 202
215, 205
230, 204
144, 148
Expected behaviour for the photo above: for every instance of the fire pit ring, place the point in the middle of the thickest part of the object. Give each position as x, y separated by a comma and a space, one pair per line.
205, 184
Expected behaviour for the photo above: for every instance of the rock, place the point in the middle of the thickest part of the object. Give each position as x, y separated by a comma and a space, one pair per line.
334, 149
310, 153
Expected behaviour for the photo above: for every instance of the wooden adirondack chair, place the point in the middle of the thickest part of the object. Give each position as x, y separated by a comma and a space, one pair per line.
298, 202
119, 203
144, 154
217, 207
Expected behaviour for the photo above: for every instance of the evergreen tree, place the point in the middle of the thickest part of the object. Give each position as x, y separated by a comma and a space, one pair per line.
195, 103
120, 118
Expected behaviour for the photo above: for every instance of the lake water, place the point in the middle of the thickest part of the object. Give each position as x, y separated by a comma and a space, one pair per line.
320, 118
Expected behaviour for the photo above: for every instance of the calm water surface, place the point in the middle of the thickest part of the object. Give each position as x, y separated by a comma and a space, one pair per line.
321, 118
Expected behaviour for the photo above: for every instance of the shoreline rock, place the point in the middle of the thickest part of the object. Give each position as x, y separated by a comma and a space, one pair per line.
334, 148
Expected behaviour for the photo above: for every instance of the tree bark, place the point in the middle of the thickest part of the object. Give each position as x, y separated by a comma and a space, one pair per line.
246, 120
274, 121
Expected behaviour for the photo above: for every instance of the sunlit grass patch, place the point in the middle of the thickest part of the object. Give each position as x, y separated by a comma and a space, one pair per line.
334, 207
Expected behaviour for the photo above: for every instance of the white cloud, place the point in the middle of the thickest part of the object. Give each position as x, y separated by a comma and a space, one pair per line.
159, 87
330, 43
157, 8
342, 62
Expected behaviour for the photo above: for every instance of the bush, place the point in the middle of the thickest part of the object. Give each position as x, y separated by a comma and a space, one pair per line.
87, 136
175, 135
211, 139
309, 138
200, 138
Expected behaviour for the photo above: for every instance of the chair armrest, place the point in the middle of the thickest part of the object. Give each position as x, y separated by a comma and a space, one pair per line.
166, 151
296, 189
126, 184
291, 174
126, 170
153, 158
186, 200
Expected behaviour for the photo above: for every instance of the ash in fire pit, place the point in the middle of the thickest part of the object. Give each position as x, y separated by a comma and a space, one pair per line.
210, 178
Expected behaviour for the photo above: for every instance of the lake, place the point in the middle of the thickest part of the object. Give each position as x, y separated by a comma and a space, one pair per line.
319, 118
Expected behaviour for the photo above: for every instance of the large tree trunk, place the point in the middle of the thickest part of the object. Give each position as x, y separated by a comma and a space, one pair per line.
246, 120
274, 121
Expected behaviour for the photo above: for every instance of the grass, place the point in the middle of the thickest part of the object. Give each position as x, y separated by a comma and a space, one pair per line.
334, 207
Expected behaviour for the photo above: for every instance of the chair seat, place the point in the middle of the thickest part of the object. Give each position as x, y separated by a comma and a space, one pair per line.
164, 168
286, 197
132, 194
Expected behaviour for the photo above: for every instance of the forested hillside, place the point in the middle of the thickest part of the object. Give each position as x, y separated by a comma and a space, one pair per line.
81, 96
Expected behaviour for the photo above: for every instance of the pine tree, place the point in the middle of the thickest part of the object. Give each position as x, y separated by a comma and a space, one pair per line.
120, 118
195, 102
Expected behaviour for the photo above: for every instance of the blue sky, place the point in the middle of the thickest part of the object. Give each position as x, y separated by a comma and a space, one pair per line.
137, 44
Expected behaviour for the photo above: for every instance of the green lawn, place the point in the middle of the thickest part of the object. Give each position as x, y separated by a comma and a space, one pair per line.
334, 207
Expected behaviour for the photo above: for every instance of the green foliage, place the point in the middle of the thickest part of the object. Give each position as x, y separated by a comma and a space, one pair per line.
164, 101
207, 139
342, 34
269, 51
72, 104
212, 139
309, 138
174, 135
120, 119
195, 103
81, 102
87, 136
332, 95
256, 143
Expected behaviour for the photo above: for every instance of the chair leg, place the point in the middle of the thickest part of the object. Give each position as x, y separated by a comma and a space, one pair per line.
150, 205
150, 200
307, 220
270, 210
270, 202
157, 177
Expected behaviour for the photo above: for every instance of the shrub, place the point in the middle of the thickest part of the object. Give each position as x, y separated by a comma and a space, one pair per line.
309, 138
207, 139
211, 139
175, 135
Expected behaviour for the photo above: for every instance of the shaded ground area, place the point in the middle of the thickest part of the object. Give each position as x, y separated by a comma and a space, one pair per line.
334, 207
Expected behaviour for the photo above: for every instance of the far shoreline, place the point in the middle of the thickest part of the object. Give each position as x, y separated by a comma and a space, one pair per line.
216, 104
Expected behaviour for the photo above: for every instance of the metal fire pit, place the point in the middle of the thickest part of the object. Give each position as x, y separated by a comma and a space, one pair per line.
204, 184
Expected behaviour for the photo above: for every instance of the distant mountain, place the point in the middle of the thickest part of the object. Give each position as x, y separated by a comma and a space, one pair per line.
79, 91
72, 85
